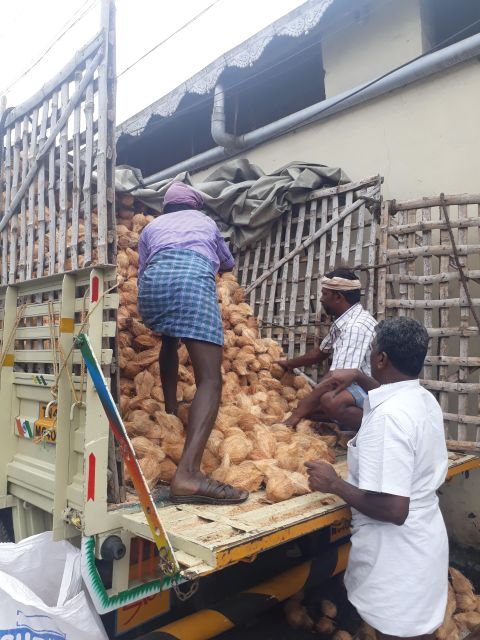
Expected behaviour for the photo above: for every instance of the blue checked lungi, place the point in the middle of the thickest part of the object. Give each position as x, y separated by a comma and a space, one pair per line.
177, 296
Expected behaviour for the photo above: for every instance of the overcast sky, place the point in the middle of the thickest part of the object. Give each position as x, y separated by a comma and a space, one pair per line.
29, 27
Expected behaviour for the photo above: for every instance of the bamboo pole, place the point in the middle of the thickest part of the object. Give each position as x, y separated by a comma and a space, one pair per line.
402, 268
334, 234
41, 195
435, 201
360, 234
87, 176
436, 250
255, 267
8, 187
465, 445
23, 204
273, 286
464, 322
14, 225
73, 245
464, 361
444, 322
322, 257
62, 193
308, 280
283, 294
410, 266
263, 291
457, 387
319, 194
245, 268
52, 207
382, 273
443, 303
31, 222
433, 225
294, 283
347, 230
429, 279
427, 291
372, 251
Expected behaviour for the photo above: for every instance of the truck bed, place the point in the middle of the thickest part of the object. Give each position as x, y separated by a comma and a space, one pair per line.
207, 538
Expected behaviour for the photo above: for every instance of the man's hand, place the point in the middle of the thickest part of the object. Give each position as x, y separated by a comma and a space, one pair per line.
321, 476
285, 364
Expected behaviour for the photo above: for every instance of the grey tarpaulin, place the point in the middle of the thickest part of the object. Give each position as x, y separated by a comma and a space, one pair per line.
242, 199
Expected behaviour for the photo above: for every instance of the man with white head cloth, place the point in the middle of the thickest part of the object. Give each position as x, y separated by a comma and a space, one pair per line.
348, 343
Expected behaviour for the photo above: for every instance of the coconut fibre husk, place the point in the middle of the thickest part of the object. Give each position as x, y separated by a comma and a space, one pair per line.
257, 394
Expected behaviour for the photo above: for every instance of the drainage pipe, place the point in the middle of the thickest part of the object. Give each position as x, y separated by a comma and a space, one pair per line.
417, 70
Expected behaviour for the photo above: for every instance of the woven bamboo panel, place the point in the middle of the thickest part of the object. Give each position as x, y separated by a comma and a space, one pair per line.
424, 282
55, 215
282, 272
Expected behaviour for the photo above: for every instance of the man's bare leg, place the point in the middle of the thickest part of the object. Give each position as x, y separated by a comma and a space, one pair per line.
206, 361
341, 408
168, 361
307, 406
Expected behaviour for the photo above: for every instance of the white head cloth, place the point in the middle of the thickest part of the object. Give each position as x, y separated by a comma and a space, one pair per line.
340, 284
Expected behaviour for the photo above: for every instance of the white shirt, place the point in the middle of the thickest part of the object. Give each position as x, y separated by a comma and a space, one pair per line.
397, 575
350, 339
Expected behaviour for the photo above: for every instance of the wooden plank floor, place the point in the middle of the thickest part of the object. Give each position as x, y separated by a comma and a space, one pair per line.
208, 537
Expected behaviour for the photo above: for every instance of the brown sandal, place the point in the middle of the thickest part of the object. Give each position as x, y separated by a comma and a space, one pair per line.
212, 492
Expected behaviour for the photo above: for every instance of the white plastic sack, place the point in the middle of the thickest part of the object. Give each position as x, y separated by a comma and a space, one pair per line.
41, 596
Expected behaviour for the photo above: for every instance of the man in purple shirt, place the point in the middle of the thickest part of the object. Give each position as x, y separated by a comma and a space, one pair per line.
179, 256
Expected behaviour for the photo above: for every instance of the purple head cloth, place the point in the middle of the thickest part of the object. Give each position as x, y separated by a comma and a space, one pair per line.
179, 193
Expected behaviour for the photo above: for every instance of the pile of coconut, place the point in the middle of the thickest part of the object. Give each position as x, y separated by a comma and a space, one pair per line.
249, 447
462, 614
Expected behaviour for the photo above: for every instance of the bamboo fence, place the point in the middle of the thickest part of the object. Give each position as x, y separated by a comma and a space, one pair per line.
436, 245
281, 273
55, 214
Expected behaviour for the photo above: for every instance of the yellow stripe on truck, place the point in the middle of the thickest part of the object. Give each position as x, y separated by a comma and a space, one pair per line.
198, 626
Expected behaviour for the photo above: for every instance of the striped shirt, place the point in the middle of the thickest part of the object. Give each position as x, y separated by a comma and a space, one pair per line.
350, 338
188, 229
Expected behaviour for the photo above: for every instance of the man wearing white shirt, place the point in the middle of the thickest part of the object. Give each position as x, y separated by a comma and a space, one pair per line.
397, 574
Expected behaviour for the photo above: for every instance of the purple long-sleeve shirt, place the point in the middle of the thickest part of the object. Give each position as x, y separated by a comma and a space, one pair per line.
188, 229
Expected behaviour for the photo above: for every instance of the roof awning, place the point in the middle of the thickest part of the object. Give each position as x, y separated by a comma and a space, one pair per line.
296, 23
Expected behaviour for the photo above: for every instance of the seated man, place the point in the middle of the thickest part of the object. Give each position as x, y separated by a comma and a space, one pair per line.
349, 339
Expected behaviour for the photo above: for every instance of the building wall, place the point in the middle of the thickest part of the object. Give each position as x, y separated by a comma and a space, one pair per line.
381, 36
423, 138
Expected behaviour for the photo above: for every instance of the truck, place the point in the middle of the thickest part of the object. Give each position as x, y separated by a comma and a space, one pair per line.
60, 468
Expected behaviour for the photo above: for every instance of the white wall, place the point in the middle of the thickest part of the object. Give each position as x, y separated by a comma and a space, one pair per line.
424, 138
382, 36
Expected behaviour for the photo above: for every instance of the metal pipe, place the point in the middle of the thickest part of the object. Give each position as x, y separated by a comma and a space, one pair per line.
218, 125
209, 623
416, 70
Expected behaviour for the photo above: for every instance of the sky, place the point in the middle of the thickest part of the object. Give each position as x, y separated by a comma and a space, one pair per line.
29, 27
